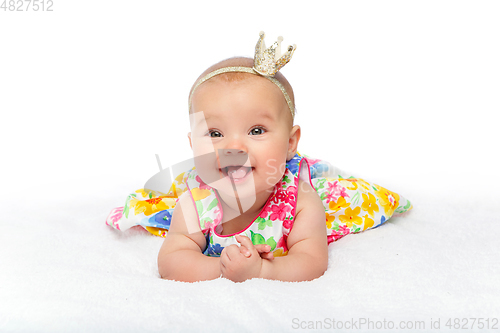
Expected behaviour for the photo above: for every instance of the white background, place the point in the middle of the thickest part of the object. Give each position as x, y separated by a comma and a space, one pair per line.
403, 93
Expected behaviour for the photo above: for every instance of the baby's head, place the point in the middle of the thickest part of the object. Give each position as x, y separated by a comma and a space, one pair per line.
242, 124
234, 77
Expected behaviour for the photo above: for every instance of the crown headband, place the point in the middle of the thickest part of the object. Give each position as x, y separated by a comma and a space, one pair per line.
267, 62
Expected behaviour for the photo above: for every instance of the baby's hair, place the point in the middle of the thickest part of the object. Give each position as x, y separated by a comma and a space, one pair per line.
237, 76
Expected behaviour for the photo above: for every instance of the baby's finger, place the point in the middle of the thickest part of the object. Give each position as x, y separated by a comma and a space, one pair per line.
222, 265
222, 270
264, 251
244, 251
267, 255
223, 258
262, 248
231, 251
246, 242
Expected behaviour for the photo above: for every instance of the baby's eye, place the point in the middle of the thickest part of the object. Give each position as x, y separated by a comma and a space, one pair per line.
215, 134
257, 131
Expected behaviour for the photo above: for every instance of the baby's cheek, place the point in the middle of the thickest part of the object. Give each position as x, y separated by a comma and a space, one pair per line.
202, 145
274, 170
206, 165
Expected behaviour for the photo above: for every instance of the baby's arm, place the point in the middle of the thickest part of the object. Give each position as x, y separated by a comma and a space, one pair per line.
307, 257
180, 257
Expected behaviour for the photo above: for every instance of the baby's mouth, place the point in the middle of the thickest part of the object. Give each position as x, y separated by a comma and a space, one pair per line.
236, 172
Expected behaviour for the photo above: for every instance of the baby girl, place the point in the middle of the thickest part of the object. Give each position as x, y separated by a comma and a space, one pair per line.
252, 206
242, 135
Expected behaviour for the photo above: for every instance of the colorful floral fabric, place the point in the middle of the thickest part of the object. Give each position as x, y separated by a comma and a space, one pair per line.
351, 206
150, 209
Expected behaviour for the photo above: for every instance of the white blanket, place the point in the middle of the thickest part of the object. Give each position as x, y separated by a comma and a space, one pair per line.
63, 269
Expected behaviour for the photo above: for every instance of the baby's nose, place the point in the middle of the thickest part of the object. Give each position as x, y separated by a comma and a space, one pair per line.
229, 152
233, 157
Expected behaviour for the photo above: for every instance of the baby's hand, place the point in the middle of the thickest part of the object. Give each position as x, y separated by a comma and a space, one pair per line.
236, 266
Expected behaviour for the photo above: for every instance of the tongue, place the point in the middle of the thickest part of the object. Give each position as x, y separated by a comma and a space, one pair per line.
237, 172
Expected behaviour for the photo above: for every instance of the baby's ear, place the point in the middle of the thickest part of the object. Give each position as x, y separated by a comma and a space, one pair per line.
190, 142
293, 142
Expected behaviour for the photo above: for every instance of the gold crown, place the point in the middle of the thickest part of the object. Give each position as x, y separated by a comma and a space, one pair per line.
269, 61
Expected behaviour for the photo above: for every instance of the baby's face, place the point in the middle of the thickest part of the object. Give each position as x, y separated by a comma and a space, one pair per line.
241, 130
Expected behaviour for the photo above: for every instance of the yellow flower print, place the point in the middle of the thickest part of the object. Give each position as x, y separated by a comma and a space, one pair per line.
147, 207
329, 220
151, 206
336, 206
142, 192
387, 199
352, 183
145, 193
174, 192
349, 183
180, 178
368, 222
351, 216
369, 203
279, 253
199, 194
364, 184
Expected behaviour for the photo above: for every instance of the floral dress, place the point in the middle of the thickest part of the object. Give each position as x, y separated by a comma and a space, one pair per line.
351, 205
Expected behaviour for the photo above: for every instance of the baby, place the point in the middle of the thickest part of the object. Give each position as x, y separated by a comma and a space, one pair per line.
252, 206
246, 197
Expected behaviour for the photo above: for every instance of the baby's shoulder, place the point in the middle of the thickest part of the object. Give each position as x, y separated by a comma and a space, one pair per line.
185, 216
309, 221
307, 197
